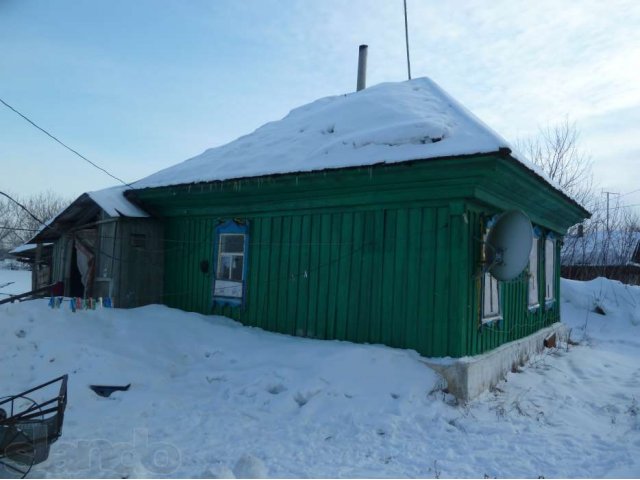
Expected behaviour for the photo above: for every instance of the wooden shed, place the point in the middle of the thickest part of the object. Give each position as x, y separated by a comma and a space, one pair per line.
361, 217
104, 246
38, 257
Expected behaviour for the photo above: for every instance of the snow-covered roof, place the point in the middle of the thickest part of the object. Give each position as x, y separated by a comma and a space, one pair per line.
111, 200
389, 122
115, 204
27, 247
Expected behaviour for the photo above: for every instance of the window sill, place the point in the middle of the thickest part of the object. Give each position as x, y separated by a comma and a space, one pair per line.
231, 301
534, 308
491, 320
549, 304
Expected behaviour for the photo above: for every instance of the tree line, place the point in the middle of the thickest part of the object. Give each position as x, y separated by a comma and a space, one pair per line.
612, 234
17, 226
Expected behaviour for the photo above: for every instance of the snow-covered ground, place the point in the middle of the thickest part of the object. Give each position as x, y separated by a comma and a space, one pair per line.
13, 282
210, 397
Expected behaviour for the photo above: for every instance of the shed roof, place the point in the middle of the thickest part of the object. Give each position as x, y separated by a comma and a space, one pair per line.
27, 247
115, 204
109, 200
386, 123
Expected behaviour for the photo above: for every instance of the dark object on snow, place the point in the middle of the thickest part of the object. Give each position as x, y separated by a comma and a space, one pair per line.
106, 390
27, 428
550, 341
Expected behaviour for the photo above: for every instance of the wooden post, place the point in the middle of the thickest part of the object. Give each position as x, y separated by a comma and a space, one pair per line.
35, 274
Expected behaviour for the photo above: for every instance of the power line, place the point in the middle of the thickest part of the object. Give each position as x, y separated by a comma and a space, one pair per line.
628, 206
23, 207
63, 144
629, 193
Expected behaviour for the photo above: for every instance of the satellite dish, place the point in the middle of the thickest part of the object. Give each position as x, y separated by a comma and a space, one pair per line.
508, 245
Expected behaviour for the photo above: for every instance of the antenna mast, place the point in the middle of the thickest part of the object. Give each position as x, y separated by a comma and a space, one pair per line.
406, 36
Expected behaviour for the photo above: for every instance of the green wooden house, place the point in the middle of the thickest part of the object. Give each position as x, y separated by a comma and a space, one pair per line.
361, 217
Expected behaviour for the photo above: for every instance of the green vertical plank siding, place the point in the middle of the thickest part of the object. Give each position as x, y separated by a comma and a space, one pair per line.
365, 297
517, 319
441, 287
344, 275
404, 276
354, 263
302, 311
320, 271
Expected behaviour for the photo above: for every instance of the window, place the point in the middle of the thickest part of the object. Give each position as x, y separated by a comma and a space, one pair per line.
534, 296
490, 286
490, 298
138, 240
230, 262
549, 268
231, 257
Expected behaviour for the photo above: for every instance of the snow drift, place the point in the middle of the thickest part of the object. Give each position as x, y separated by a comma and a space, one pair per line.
210, 398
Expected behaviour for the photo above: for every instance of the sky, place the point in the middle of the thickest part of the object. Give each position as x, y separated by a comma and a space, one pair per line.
136, 86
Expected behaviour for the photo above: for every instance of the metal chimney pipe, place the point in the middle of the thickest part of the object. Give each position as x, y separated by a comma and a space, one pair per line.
362, 67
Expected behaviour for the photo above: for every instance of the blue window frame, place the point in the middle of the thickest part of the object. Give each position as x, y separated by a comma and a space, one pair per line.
230, 249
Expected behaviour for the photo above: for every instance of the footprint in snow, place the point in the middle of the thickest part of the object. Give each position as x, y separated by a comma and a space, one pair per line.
276, 389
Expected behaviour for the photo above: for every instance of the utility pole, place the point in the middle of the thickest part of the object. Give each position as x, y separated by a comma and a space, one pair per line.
608, 194
607, 239
406, 37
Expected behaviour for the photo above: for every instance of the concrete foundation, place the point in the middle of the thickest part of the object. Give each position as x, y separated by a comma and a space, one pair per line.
468, 377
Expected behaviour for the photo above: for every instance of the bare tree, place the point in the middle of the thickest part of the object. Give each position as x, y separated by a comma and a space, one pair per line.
556, 150
605, 244
17, 226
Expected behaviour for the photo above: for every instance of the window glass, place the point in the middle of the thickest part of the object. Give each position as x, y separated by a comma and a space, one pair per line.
224, 267
236, 268
228, 284
490, 291
490, 297
231, 243
549, 268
